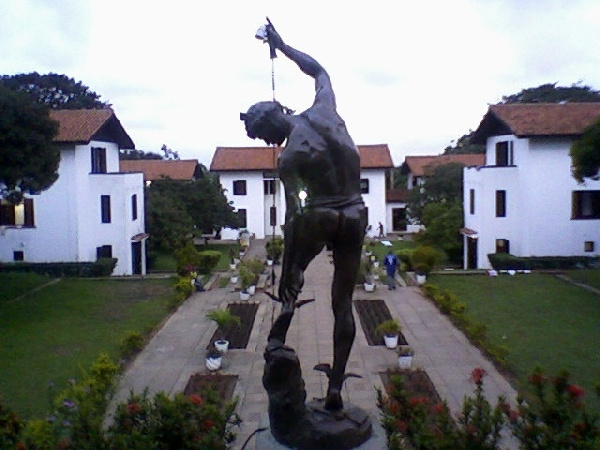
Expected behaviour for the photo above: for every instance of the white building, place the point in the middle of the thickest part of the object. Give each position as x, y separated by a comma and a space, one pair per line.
249, 177
524, 201
92, 209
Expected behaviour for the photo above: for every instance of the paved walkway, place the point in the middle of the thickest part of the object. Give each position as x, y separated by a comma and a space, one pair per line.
177, 351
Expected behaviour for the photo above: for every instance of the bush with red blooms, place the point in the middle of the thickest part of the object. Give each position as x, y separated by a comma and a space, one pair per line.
182, 422
554, 419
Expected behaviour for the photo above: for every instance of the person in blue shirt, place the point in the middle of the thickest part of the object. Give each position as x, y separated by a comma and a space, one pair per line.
391, 264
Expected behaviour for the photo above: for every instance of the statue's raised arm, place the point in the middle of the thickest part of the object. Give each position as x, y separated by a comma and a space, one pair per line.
323, 90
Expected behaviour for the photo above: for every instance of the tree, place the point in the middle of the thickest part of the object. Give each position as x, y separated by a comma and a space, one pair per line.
443, 221
138, 154
176, 209
585, 153
169, 154
28, 158
464, 145
443, 184
550, 93
54, 90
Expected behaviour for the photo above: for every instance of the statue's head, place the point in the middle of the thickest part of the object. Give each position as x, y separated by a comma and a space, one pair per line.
267, 121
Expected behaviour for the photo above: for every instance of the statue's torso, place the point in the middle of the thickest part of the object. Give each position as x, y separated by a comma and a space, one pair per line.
321, 155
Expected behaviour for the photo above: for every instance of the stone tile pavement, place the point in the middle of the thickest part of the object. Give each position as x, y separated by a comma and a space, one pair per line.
177, 351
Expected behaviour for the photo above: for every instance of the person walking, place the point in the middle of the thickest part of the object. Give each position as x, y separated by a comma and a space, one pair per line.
391, 264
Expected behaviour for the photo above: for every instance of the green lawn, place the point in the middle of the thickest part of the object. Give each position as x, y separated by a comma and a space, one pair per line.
590, 277
541, 319
51, 334
16, 284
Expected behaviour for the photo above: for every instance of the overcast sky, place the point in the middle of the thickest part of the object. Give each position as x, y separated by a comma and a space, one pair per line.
414, 75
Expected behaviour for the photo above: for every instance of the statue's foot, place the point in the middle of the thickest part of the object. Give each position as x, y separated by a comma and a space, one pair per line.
333, 401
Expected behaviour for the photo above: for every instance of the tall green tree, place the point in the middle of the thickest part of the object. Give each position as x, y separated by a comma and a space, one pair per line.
189, 207
585, 153
28, 158
443, 184
443, 221
54, 90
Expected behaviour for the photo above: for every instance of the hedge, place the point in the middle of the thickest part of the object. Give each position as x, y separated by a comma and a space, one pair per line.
504, 261
103, 267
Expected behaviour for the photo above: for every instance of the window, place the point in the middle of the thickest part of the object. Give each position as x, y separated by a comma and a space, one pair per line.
20, 215
502, 246
273, 216
239, 187
585, 205
364, 186
105, 251
105, 208
504, 153
134, 212
269, 187
588, 246
472, 201
18, 255
500, 203
242, 216
98, 160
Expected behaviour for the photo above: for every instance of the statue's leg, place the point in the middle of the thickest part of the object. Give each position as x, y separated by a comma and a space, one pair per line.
346, 258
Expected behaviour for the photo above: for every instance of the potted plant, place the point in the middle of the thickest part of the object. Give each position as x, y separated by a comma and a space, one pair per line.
247, 278
214, 359
389, 329
423, 260
274, 249
225, 321
366, 273
405, 356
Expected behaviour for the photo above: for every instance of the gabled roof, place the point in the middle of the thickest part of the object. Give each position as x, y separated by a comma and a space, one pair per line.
417, 165
156, 169
537, 119
80, 126
265, 158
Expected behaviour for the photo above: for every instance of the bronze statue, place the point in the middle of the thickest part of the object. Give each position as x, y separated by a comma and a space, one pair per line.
321, 159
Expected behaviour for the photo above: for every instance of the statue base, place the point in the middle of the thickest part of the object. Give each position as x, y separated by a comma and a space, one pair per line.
266, 441
307, 426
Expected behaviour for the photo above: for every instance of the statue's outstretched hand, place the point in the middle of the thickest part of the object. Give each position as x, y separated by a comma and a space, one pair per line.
275, 40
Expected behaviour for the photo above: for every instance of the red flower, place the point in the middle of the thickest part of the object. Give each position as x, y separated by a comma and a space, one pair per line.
133, 408
477, 375
536, 379
576, 392
401, 426
196, 399
208, 424
513, 416
438, 408
415, 401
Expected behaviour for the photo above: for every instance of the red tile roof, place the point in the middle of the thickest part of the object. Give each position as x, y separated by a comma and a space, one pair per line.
265, 158
155, 169
80, 126
417, 165
537, 119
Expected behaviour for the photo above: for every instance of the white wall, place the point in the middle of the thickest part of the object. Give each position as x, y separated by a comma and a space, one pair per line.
257, 204
538, 197
68, 224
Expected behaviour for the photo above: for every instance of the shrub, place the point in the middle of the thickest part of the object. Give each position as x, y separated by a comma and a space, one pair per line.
504, 261
404, 255
274, 247
132, 343
182, 422
208, 260
187, 259
10, 428
103, 267
423, 259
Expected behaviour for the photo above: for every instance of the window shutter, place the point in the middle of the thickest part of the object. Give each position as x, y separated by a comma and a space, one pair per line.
29, 218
